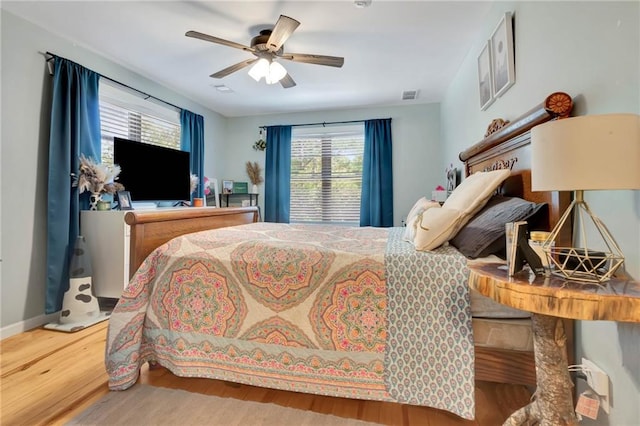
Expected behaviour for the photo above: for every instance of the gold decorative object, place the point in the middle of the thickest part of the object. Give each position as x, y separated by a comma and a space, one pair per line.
496, 124
560, 103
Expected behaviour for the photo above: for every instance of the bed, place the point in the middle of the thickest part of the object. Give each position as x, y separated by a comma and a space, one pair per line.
339, 311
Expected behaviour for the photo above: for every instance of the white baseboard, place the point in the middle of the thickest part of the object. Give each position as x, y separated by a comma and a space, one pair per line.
26, 325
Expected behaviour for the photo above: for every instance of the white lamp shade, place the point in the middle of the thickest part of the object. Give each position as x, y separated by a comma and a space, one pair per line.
586, 153
272, 71
276, 73
259, 69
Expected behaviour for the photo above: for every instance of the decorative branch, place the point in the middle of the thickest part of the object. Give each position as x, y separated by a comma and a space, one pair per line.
193, 182
254, 171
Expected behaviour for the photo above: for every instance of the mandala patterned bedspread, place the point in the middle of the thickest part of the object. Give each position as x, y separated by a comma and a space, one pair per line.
332, 310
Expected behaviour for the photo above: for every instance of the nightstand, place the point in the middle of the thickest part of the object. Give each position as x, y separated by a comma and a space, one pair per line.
549, 299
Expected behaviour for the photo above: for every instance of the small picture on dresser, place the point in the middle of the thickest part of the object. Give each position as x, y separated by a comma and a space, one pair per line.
227, 187
124, 200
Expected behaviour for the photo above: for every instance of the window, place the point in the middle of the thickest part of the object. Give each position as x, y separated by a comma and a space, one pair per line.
129, 116
326, 174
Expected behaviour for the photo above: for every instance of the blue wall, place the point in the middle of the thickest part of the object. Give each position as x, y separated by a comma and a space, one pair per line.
590, 50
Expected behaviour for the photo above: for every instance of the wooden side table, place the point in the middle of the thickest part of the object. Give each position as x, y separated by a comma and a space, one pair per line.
549, 299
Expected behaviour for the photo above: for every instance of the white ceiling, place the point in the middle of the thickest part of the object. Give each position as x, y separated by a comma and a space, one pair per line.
389, 47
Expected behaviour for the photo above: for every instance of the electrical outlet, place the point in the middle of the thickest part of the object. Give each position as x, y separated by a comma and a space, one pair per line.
598, 381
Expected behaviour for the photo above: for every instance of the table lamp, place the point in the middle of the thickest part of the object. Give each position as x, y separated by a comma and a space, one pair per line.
592, 152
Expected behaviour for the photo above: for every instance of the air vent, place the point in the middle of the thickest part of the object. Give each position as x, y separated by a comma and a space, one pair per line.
409, 95
222, 88
361, 4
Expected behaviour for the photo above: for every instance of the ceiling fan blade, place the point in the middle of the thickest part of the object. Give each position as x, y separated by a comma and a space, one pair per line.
233, 68
281, 32
331, 61
287, 81
217, 40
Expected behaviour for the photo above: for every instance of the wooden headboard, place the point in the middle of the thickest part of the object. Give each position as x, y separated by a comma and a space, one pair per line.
507, 146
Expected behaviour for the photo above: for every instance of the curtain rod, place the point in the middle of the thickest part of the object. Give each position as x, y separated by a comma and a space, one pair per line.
324, 123
147, 96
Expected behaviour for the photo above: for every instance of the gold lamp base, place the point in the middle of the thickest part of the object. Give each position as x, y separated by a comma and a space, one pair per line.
583, 264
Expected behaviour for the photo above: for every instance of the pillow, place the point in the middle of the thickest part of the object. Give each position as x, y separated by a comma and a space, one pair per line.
474, 192
421, 205
435, 227
484, 234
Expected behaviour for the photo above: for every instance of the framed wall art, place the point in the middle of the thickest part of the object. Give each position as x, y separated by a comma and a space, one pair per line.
485, 83
503, 56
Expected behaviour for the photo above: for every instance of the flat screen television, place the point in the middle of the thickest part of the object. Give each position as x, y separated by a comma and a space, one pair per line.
152, 173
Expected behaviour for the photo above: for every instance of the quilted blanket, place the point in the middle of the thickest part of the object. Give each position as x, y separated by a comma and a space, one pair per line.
305, 308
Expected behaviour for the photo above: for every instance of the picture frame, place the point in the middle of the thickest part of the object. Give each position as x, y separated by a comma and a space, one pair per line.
227, 187
503, 56
240, 187
216, 191
485, 77
513, 232
519, 251
124, 200
452, 180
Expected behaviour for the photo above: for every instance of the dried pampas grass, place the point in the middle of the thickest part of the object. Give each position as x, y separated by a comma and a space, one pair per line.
97, 177
254, 171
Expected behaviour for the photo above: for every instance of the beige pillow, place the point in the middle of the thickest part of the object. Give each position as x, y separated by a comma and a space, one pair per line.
435, 227
474, 192
421, 205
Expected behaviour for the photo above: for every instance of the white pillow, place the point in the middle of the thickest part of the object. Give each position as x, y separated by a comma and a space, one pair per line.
421, 205
474, 192
435, 227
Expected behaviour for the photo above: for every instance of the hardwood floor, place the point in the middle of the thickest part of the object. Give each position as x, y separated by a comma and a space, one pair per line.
48, 377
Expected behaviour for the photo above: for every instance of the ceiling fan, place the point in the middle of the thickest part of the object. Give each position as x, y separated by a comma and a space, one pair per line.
267, 47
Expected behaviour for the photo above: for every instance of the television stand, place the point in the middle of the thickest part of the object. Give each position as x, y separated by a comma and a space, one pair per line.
182, 204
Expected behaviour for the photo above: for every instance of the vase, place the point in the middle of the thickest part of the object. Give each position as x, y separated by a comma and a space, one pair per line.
254, 189
93, 200
79, 303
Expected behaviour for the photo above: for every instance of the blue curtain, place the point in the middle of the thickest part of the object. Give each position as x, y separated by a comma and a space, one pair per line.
75, 130
277, 172
192, 140
376, 203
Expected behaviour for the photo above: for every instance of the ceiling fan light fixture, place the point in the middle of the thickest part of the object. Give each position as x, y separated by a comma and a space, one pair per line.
272, 71
260, 69
276, 73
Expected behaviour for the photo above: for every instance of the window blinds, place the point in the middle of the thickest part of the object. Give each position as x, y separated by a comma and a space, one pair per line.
326, 174
125, 116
